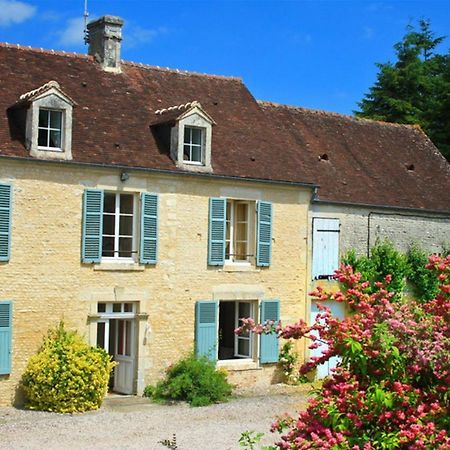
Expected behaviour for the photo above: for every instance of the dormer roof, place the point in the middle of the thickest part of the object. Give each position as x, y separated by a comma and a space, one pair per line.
46, 89
178, 112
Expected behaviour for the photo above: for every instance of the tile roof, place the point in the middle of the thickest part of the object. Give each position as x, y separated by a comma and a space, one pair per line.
367, 161
364, 161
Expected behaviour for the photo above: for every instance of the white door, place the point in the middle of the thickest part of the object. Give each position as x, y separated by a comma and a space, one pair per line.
124, 355
337, 310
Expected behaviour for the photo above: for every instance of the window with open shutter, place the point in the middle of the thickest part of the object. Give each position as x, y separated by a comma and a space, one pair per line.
217, 226
5, 337
264, 234
5, 221
91, 251
325, 247
270, 311
149, 228
206, 313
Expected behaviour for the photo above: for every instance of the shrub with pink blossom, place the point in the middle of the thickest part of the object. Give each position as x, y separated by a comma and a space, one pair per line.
392, 388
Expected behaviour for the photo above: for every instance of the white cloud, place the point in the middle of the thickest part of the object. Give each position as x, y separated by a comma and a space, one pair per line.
368, 33
73, 34
13, 12
135, 35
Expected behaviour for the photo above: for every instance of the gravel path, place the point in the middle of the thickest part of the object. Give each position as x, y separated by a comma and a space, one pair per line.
135, 423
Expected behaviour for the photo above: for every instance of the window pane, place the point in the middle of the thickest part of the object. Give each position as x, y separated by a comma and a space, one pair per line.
108, 224
244, 347
55, 139
196, 154
55, 119
187, 135
126, 203
241, 251
108, 246
101, 307
125, 247
126, 226
244, 310
241, 232
227, 250
187, 153
101, 334
120, 336
42, 138
241, 212
43, 118
117, 307
109, 204
127, 338
196, 136
128, 307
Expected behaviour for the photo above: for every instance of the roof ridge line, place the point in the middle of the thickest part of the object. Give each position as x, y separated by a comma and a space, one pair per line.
336, 114
129, 63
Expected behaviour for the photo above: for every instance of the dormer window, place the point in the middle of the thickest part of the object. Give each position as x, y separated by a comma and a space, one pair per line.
190, 135
194, 142
50, 129
49, 122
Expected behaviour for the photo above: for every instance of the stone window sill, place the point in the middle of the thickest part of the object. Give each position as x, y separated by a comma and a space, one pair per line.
238, 364
119, 267
240, 268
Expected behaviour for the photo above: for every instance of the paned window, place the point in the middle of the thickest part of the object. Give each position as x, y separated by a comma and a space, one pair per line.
118, 226
232, 346
50, 129
193, 145
239, 230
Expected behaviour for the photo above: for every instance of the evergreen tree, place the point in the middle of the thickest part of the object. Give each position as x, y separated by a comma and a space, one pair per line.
416, 89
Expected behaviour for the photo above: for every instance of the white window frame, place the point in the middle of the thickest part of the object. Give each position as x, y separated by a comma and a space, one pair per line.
251, 231
191, 145
250, 337
49, 129
134, 238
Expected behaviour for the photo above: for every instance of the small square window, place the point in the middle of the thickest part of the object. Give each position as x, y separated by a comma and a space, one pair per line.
194, 143
50, 129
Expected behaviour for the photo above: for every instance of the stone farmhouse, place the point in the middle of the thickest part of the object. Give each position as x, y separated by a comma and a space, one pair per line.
152, 208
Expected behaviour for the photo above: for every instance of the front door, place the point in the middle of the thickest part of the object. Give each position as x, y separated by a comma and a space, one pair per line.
123, 353
116, 333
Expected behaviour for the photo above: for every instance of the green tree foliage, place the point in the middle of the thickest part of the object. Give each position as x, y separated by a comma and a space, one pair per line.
66, 375
416, 88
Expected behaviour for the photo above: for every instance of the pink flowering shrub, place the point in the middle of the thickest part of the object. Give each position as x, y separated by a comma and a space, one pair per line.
392, 388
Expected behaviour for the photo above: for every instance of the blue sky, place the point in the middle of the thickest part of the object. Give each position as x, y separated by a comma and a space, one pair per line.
316, 54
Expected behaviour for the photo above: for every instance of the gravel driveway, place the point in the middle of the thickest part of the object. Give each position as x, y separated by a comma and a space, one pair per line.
135, 423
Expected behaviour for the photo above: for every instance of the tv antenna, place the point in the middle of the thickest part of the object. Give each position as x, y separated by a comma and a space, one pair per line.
86, 15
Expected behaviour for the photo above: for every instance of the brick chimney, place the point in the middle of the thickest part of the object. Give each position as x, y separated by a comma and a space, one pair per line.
105, 37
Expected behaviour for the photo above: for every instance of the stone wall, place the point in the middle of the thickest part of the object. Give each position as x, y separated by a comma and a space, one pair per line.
47, 282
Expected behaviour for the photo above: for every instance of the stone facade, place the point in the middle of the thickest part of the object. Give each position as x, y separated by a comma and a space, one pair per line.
47, 282
361, 227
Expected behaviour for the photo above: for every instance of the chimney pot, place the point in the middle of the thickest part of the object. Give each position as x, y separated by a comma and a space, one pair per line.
105, 37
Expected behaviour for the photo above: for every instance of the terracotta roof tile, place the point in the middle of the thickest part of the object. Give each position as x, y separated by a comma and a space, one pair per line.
366, 162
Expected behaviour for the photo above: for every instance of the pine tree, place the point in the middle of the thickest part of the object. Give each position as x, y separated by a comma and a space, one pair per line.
416, 88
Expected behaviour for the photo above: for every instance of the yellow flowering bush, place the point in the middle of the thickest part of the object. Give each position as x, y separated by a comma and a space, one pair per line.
66, 375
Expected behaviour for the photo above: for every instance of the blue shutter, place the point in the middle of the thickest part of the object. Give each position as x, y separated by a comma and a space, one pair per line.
5, 221
264, 234
149, 228
217, 229
5, 337
91, 250
270, 310
206, 329
325, 247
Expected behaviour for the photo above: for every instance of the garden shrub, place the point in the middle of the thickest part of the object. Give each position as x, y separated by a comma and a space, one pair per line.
194, 380
66, 375
392, 387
